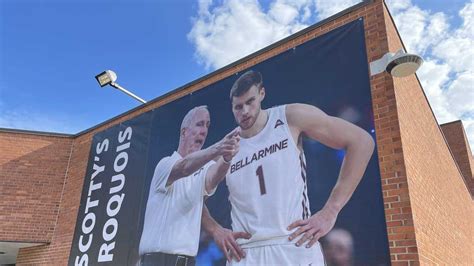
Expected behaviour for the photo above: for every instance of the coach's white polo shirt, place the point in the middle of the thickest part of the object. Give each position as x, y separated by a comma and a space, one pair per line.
173, 213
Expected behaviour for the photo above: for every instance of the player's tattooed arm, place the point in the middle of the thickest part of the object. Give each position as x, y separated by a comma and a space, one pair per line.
338, 134
224, 238
229, 147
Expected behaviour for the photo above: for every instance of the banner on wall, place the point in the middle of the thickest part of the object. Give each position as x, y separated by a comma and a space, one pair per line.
149, 179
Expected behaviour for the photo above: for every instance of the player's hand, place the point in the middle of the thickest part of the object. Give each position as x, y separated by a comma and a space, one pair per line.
225, 240
229, 145
313, 228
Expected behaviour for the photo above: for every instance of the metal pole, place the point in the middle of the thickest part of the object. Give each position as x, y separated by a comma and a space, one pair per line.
118, 87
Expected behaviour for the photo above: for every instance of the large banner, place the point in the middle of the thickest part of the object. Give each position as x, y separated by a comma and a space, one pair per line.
268, 161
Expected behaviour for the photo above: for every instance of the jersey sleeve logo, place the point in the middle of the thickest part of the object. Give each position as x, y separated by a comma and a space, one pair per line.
278, 123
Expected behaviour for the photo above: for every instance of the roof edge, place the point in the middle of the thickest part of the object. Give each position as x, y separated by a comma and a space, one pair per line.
452, 122
34, 132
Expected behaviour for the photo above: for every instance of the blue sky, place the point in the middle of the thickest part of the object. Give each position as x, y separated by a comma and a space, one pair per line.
51, 50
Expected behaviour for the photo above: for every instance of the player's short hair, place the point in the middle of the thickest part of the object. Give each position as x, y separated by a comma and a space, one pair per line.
245, 82
188, 118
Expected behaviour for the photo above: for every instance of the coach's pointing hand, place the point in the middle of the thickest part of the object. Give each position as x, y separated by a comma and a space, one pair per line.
314, 227
225, 240
229, 145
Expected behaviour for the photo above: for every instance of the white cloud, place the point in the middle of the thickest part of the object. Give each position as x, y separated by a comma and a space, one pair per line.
467, 13
326, 8
396, 5
433, 76
421, 30
233, 29
283, 13
225, 33
204, 7
457, 49
461, 94
447, 74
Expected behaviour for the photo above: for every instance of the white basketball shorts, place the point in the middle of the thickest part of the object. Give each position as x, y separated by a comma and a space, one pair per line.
272, 253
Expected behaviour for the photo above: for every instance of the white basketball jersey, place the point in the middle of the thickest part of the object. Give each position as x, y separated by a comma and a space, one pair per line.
267, 181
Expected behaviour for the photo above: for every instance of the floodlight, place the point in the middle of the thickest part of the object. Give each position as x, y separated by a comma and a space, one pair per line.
400, 64
109, 77
105, 78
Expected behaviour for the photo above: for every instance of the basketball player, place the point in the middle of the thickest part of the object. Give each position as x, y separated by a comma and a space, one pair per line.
267, 179
180, 181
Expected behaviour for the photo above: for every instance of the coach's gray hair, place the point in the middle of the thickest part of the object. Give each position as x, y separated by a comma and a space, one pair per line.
190, 115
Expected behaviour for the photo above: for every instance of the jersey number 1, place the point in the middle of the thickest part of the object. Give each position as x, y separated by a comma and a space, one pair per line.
261, 180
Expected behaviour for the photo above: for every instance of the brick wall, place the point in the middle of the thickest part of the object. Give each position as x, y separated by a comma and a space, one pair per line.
32, 172
440, 204
407, 212
398, 212
459, 145
57, 252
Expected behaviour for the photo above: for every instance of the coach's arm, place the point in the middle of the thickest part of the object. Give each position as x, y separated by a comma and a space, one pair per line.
217, 171
338, 134
193, 161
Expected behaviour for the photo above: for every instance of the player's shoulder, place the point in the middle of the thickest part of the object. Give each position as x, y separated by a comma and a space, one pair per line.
302, 116
297, 109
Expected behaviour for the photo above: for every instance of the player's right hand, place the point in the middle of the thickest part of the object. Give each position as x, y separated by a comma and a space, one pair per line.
229, 145
226, 241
